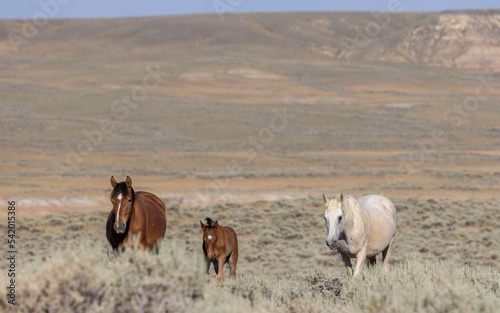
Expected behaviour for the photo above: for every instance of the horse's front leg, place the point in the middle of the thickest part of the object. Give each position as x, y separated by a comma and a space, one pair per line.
127, 243
371, 262
144, 245
220, 275
360, 259
207, 264
347, 262
132, 241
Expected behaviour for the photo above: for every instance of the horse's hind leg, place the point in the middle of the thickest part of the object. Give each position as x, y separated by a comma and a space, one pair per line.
371, 261
386, 255
232, 264
232, 269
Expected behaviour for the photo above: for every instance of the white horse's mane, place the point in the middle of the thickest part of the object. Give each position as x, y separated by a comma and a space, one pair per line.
352, 211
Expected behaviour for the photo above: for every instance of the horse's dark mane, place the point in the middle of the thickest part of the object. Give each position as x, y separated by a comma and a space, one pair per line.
210, 222
122, 188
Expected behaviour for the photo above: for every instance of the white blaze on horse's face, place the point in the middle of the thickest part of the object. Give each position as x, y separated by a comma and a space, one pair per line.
119, 197
123, 208
334, 222
209, 242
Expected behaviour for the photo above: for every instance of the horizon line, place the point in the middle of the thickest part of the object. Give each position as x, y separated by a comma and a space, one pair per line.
258, 12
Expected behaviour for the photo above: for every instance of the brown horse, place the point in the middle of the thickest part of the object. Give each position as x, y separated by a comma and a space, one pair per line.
138, 215
220, 246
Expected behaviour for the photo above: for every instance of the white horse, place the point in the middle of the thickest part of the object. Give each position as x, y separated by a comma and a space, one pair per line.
360, 229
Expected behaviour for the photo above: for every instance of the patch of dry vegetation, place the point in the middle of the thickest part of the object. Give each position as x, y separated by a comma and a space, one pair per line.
444, 258
82, 280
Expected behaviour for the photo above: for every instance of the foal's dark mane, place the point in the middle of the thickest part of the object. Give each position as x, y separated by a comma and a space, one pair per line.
210, 223
122, 188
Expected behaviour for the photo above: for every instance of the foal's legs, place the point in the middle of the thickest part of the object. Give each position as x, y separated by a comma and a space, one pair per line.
219, 266
216, 267
232, 263
207, 263
386, 255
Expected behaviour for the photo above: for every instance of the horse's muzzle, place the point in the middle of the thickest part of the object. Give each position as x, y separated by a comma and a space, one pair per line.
332, 244
120, 229
211, 257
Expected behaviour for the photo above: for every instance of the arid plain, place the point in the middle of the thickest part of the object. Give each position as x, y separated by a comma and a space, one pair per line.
249, 120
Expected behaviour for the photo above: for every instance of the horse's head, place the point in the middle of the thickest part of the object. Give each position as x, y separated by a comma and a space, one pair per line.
210, 236
334, 220
122, 198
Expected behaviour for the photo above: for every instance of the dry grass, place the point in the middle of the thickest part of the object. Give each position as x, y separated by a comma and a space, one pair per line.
444, 258
292, 232
83, 280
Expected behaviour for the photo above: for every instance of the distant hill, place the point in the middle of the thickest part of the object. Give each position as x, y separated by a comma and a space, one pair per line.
362, 97
454, 39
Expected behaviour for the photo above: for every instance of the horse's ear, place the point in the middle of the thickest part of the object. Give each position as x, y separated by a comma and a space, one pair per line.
203, 226
128, 182
325, 199
216, 224
113, 182
341, 198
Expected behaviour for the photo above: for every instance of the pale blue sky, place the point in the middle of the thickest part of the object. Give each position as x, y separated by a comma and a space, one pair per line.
27, 9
